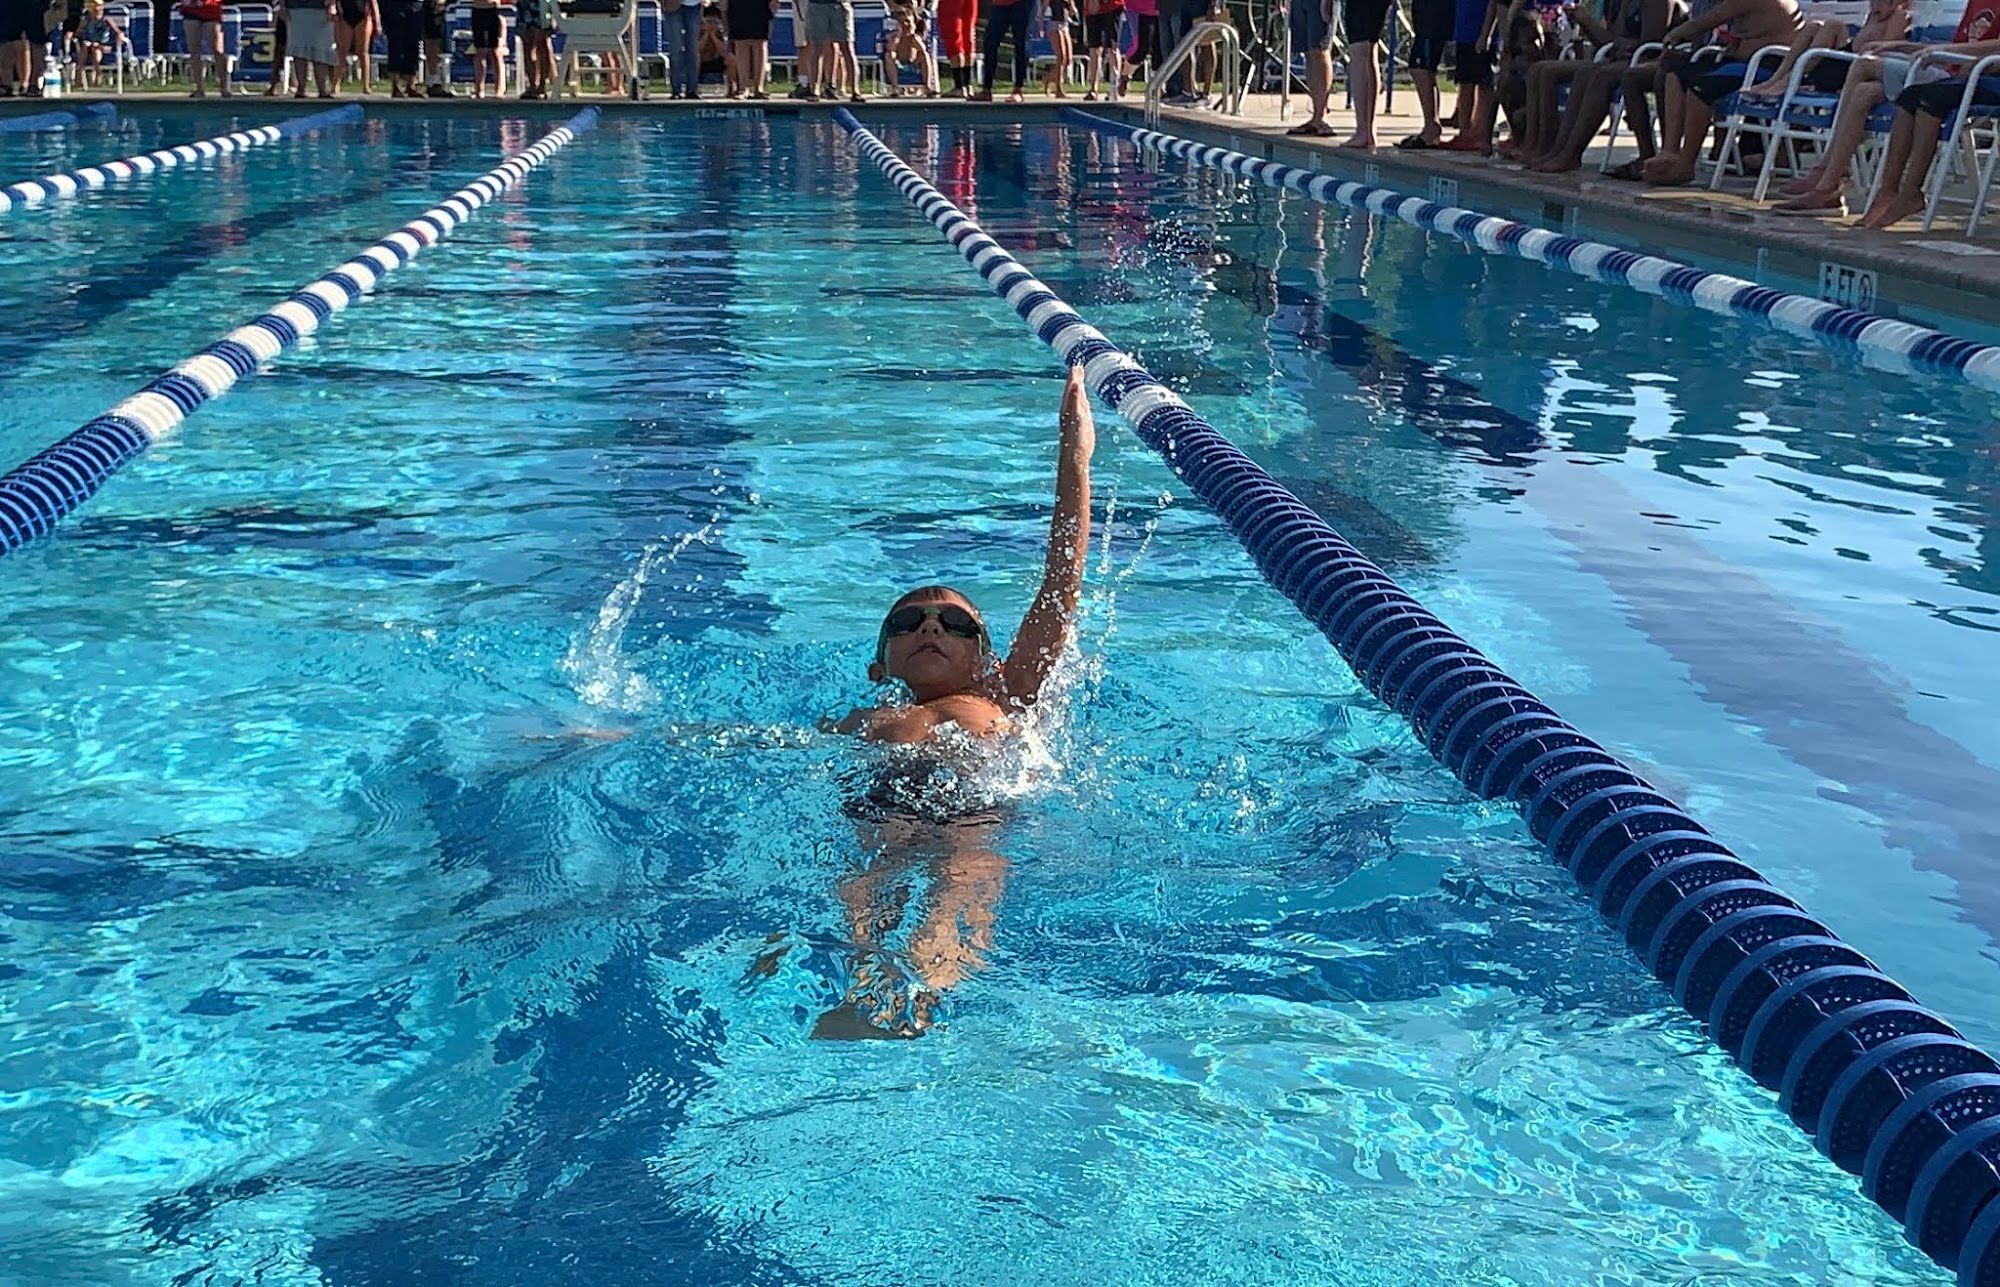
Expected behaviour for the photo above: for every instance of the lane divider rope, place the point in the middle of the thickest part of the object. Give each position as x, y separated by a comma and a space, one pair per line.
1886, 342
57, 120
33, 192
1891, 1091
41, 491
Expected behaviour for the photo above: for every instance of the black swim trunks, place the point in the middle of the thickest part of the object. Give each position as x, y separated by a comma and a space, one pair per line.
1433, 20
1365, 19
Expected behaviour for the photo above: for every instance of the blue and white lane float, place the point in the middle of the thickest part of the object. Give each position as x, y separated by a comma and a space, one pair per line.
1891, 1091
57, 120
36, 496
1882, 341
33, 192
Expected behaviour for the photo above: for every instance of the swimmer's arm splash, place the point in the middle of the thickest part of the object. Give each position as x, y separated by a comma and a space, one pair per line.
1039, 643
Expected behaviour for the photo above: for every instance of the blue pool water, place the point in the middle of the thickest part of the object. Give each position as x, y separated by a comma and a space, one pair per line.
331, 953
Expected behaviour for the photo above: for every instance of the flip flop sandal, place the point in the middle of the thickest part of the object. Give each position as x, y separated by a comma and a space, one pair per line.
1631, 172
1415, 143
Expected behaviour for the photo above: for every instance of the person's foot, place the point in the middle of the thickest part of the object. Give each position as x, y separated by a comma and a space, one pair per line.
1807, 182
1669, 172
1467, 143
196, 92
980, 96
1765, 89
856, 98
1826, 204
1358, 142
439, 91
1090, 96
1016, 97
1563, 164
1891, 210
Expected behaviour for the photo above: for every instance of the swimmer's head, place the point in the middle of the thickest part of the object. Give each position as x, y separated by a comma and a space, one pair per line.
934, 640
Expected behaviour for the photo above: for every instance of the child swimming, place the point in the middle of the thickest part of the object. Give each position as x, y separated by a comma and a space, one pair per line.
922, 804
936, 644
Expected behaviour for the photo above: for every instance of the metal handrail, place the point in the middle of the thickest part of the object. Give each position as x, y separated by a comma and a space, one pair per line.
1221, 33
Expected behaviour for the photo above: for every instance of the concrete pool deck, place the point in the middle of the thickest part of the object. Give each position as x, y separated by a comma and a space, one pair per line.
1938, 278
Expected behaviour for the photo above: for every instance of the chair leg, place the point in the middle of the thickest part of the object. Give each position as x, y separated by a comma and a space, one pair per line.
1780, 137
1729, 137
1982, 187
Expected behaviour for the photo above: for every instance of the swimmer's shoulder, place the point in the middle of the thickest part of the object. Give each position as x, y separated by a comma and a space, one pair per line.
974, 713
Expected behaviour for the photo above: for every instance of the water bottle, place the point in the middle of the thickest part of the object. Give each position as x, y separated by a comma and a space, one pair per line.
52, 86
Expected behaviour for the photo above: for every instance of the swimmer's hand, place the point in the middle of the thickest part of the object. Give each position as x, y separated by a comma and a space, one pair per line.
1079, 433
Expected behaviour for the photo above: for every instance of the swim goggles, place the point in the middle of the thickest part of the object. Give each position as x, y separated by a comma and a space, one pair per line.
954, 619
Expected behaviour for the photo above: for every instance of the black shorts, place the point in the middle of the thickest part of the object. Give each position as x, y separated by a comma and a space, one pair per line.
434, 22
1433, 21
20, 20
1100, 30
1471, 63
1059, 11
486, 28
1709, 82
1365, 19
1940, 98
1828, 75
1146, 38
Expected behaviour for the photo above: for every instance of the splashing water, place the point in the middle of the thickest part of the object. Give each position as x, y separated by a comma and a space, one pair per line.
599, 670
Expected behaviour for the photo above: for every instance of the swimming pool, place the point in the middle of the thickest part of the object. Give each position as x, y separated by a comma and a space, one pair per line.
339, 957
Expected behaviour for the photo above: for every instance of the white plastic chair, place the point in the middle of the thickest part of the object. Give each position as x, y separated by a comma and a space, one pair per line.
598, 33
1973, 130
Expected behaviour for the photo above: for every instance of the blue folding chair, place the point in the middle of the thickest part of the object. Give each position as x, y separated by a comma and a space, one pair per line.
871, 28
783, 47
651, 36
253, 45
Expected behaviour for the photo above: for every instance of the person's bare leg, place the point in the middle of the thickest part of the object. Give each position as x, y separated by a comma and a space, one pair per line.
1674, 100
1903, 196
1815, 34
1319, 84
962, 904
1426, 83
1589, 104
1821, 188
1676, 167
1361, 75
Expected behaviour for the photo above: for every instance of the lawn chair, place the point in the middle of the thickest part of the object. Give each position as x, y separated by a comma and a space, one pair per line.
1971, 139
597, 33
871, 27
783, 47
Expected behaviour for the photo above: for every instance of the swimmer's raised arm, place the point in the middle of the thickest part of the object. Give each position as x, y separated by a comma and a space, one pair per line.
1038, 645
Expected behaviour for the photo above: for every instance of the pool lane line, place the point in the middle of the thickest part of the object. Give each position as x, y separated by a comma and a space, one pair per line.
33, 192
1890, 1090
94, 112
38, 493
1890, 344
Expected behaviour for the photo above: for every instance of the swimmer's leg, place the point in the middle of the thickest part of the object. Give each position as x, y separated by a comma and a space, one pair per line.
957, 930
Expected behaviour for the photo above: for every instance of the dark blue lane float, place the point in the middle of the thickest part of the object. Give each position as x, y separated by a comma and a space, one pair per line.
47, 487
1887, 1089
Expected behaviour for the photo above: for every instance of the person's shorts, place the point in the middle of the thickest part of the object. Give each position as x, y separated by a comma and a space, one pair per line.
829, 21
1310, 29
434, 23
1711, 82
19, 21
1471, 63
1365, 19
1940, 98
486, 28
1100, 30
1433, 20
1060, 12
1145, 37
538, 14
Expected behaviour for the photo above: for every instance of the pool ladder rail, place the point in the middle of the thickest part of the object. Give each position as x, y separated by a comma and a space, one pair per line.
1231, 53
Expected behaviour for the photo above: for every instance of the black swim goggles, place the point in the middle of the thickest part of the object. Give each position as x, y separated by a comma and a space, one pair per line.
954, 619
